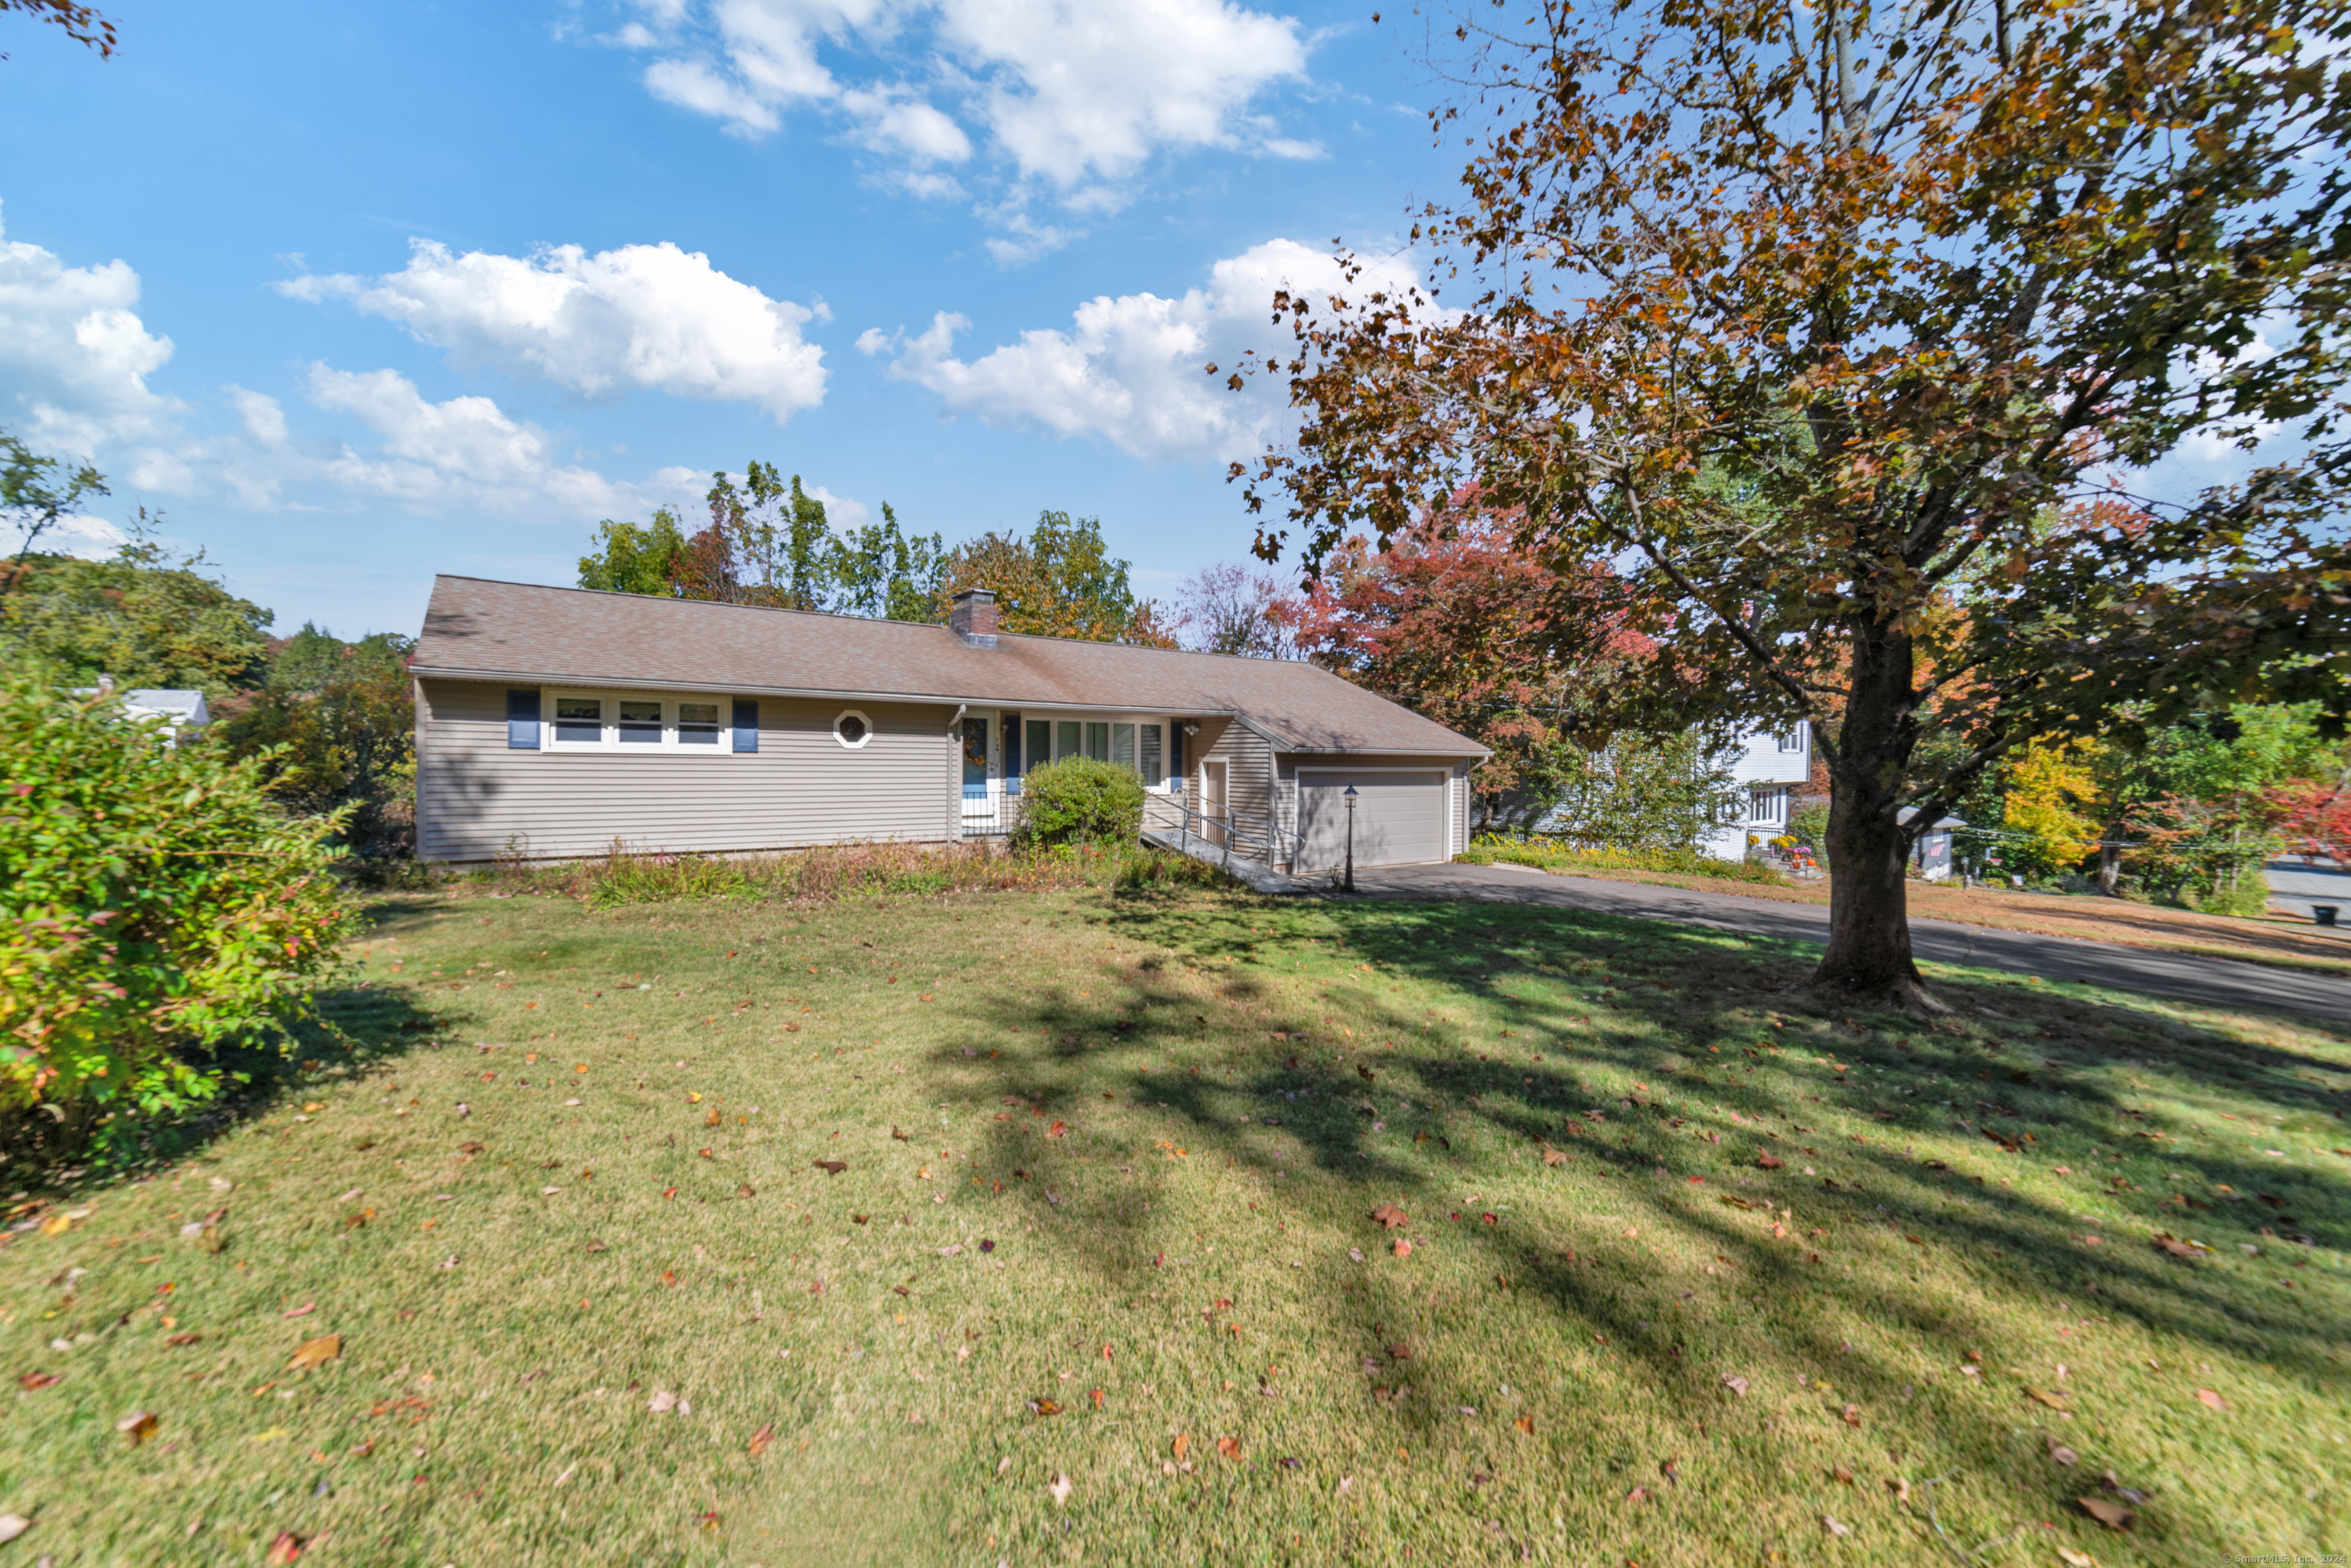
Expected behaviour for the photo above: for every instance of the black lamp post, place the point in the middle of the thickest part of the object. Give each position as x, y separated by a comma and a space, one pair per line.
1351, 838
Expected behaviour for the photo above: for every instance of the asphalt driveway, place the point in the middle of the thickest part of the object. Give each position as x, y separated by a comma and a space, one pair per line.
2218, 982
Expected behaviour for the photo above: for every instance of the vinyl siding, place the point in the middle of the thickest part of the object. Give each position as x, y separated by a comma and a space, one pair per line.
476, 799
1461, 788
1249, 759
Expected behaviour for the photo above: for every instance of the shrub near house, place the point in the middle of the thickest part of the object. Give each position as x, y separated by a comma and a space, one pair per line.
1080, 801
155, 908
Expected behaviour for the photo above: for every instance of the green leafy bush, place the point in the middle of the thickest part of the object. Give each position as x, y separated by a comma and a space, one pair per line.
1551, 855
1080, 801
156, 909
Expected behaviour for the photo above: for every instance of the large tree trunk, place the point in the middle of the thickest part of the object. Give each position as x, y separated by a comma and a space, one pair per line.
2110, 859
1868, 957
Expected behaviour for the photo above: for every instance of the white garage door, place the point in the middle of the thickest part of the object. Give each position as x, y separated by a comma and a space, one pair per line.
1399, 819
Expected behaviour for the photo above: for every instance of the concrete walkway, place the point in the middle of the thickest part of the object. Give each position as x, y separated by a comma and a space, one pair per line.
2216, 982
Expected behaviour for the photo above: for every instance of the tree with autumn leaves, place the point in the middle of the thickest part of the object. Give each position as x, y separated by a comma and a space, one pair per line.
769, 542
1456, 621
1827, 323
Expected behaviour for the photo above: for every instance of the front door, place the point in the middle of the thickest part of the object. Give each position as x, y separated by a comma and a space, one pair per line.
978, 799
1212, 797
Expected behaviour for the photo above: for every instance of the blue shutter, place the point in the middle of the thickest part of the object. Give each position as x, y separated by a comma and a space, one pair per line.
746, 724
522, 721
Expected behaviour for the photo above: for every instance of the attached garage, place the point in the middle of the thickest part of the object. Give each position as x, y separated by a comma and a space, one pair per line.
1400, 816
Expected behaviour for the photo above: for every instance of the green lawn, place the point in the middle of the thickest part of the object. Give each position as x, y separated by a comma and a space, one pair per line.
1110, 1165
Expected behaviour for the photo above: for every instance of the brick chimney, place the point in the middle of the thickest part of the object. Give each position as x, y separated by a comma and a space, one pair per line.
973, 619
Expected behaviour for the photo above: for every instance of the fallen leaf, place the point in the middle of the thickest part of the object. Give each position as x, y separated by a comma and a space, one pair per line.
1402, 1248
761, 1440
1042, 1408
1401, 1352
669, 1277
1229, 1448
1525, 1424
1554, 1156
1853, 1414
2073, 1559
1899, 1487
33, 1380
832, 1167
1736, 1385
139, 1425
316, 1352
1834, 1527
662, 1403
2112, 1515
302, 1312
1059, 1489
2211, 1399
2061, 1454
12, 1525
1638, 1494
1390, 1216
1768, 1161
2176, 1249
286, 1549
1057, 1130
1841, 1474
1183, 1444
2054, 1401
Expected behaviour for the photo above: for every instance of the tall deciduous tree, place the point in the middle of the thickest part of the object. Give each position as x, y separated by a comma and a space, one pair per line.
37, 490
1059, 581
884, 573
1228, 609
1456, 619
144, 616
637, 557
334, 729
1825, 319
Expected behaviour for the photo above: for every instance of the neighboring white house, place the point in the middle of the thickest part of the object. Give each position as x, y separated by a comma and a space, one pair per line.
1771, 770
181, 712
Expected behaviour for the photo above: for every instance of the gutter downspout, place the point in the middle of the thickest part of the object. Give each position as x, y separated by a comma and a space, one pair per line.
954, 774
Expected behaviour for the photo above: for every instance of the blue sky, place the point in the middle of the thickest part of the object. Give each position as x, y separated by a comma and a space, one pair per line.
359, 293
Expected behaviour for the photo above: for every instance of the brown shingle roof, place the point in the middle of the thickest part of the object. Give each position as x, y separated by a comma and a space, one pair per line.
515, 631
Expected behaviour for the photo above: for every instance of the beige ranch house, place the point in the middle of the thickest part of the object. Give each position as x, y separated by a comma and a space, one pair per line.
552, 722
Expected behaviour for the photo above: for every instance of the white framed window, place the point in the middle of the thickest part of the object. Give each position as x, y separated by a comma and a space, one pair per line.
639, 721
697, 723
578, 719
1138, 742
852, 729
1767, 807
1792, 740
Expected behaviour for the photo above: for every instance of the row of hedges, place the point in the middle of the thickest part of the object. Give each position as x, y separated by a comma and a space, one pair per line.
1552, 855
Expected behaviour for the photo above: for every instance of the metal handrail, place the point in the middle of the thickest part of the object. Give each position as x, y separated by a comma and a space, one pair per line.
1233, 830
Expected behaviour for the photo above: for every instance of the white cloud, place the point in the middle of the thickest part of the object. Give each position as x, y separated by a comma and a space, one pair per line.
465, 452
1130, 369
638, 315
1067, 91
74, 354
92, 538
258, 412
1093, 87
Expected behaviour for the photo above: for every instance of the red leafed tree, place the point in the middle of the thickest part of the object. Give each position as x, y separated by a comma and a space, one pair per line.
2314, 818
1455, 619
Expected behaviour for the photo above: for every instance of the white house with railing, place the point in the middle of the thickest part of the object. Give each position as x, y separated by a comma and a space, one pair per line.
1769, 770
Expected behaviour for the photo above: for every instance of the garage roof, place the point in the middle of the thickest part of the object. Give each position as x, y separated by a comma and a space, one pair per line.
479, 629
